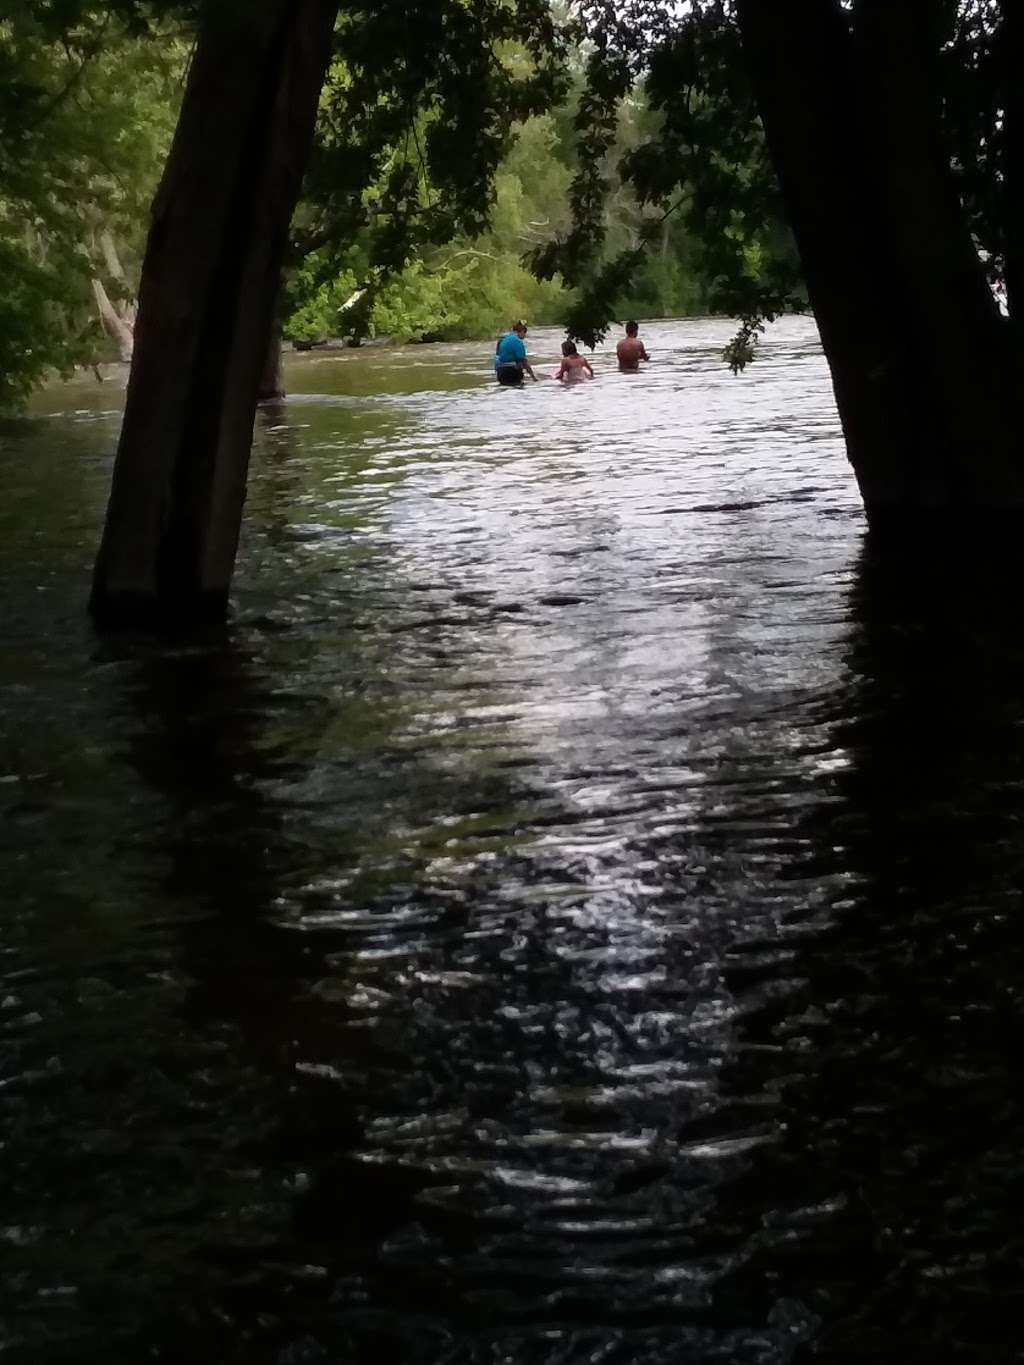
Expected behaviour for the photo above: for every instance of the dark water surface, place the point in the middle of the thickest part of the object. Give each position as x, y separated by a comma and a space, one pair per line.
571, 915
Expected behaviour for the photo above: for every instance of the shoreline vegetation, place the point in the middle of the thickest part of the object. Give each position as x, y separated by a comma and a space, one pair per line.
340, 345
185, 184
74, 222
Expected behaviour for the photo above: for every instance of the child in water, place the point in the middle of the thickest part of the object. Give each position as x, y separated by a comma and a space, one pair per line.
573, 365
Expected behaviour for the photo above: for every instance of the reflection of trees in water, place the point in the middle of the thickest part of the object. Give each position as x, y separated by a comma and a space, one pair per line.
202, 709
238, 1108
273, 1068
888, 1203
883, 1206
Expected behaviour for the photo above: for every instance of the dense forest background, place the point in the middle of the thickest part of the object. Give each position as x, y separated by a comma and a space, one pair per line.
86, 120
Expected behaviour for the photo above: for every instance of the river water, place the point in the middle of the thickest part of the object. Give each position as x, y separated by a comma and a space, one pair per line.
570, 915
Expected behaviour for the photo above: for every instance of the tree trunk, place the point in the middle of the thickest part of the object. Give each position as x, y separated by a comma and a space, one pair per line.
918, 353
272, 376
126, 309
116, 327
1011, 40
959, 343
209, 282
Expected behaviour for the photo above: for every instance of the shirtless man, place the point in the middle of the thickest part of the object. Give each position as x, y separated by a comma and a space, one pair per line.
631, 349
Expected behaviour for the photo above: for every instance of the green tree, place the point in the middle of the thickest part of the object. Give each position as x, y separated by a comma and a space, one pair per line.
691, 168
888, 137
922, 361
472, 285
209, 281
478, 283
86, 116
405, 157
218, 243
760, 116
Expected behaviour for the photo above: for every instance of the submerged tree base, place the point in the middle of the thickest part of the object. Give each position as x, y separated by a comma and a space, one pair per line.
937, 534
142, 611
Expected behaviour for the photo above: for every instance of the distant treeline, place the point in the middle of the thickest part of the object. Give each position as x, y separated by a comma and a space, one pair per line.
86, 118
472, 286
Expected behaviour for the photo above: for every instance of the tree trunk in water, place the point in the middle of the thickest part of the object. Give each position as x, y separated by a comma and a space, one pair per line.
209, 283
959, 343
920, 358
272, 376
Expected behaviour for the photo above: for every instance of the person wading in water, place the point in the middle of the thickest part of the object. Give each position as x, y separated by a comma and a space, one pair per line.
574, 366
510, 362
631, 350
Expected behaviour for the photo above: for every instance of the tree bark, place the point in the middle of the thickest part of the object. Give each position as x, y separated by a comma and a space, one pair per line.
209, 283
1011, 40
116, 327
799, 61
913, 338
272, 377
959, 344
126, 306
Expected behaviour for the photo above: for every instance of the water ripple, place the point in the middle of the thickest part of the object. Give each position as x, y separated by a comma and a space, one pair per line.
511, 941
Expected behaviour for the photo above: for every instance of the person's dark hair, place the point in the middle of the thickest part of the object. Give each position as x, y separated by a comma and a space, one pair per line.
519, 326
632, 328
569, 348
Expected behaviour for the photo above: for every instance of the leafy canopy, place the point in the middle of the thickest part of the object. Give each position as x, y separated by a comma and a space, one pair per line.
87, 102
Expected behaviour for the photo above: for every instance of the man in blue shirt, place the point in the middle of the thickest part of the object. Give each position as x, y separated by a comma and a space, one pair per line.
510, 362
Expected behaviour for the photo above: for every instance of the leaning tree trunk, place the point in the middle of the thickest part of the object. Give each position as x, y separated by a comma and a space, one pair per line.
206, 302
920, 358
118, 328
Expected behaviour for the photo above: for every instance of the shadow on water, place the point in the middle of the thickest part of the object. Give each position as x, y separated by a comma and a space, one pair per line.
867, 1110
888, 1204
244, 1200
188, 1192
